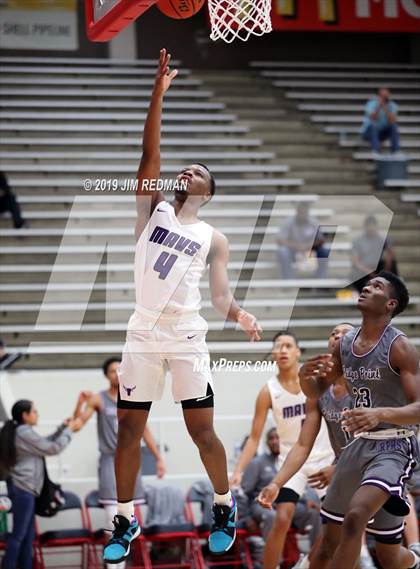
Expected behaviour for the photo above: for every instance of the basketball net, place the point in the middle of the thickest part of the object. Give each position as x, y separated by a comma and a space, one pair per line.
231, 19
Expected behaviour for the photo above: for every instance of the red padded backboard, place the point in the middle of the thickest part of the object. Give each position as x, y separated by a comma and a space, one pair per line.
106, 18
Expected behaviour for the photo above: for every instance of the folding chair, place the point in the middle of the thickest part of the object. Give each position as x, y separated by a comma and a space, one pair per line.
38, 561
80, 537
238, 556
98, 535
174, 534
291, 551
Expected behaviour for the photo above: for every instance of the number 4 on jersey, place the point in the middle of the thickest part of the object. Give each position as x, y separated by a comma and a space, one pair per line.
164, 264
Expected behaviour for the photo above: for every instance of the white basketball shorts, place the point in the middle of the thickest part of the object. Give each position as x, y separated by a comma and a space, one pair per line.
174, 344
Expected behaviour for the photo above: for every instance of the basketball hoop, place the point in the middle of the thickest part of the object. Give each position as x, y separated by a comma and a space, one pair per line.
231, 19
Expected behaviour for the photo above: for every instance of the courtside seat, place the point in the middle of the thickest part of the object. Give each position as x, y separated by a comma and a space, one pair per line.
92, 503
53, 540
181, 530
93, 104
238, 556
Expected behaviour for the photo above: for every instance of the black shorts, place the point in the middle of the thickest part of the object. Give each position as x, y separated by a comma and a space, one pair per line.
287, 495
201, 403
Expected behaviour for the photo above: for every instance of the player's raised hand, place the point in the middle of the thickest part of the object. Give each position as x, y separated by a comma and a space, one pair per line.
267, 496
249, 325
164, 74
322, 478
317, 366
361, 419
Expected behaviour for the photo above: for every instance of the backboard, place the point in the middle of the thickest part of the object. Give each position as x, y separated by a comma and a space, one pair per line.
106, 18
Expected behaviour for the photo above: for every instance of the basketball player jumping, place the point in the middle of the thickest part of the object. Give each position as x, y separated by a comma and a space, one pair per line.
381, 368
283, 395
166, 331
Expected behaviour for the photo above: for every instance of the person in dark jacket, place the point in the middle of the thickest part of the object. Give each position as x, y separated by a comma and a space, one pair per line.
22, 452
9, 203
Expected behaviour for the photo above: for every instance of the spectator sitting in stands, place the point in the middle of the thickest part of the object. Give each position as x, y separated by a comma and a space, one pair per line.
22, 452
8, 202
380, 122
6, 359
297, 239
257, 474
371, 252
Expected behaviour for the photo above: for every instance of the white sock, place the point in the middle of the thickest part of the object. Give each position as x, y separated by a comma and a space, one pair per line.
223, 499
126, 509
416, 560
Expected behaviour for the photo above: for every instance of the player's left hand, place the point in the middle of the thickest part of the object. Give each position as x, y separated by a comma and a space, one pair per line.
267, 496
249, 325
160, 468
360, 419
322, 478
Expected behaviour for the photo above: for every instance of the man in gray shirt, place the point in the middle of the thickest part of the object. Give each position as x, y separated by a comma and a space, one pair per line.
258, 474
371, 252
299, 240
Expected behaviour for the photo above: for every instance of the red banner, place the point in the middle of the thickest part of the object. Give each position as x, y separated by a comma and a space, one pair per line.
347, 15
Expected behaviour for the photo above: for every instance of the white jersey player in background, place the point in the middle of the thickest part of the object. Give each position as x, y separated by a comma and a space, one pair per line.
283, 395
166, 331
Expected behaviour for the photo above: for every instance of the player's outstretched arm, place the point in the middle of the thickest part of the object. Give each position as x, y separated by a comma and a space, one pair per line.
296, 457
149, 169
404, 358
319, 372
262, 405
87, 404
221, 295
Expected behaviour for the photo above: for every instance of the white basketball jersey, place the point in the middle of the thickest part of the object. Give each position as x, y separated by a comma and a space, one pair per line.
169, 262
289, 413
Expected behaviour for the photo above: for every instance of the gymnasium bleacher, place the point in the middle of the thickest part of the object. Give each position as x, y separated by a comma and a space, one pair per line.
65, 120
